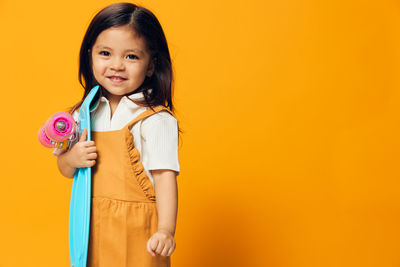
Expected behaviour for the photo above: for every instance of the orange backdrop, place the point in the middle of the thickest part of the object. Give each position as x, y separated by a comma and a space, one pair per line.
290, 112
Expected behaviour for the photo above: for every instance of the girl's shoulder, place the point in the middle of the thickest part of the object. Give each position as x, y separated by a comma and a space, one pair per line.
161, 119
159, 116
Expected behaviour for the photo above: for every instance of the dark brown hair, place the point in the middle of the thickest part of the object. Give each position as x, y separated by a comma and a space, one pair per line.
145, 25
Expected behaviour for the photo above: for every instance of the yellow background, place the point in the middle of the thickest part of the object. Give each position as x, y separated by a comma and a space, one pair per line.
290, 112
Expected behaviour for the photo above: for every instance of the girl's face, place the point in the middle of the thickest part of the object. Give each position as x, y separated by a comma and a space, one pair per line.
120, 61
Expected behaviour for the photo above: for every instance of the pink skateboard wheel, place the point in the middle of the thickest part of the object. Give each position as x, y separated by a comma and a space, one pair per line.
43, 139
60, 126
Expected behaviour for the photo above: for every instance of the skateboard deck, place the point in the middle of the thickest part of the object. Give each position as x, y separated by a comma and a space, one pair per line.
79, 212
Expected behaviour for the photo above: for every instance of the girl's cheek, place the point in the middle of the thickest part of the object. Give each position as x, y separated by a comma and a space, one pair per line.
100, 66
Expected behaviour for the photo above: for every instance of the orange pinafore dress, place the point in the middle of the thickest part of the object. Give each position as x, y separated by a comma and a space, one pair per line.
124, 211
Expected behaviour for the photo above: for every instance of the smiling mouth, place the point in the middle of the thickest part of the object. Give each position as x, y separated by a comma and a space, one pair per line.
116, 79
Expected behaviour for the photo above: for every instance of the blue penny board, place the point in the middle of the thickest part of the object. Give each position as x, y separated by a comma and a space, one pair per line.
79, 211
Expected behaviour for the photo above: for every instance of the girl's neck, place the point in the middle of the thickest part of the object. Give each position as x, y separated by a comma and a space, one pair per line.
113, 101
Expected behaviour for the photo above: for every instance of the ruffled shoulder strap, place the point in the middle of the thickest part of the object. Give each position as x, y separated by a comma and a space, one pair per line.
146, 114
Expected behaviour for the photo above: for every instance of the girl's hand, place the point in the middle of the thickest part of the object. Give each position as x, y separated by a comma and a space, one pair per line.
83, 153
162, 243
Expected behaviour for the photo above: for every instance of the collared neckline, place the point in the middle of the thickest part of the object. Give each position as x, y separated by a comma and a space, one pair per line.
128, 102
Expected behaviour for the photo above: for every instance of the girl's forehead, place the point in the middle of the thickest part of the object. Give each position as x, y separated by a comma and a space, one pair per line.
124, 32
120, 35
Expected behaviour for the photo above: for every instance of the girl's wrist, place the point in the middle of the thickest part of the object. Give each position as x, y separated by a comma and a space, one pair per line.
64, 165
68, 161
164, 230
66, 158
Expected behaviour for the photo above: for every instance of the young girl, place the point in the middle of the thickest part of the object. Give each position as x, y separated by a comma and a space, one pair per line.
134, 151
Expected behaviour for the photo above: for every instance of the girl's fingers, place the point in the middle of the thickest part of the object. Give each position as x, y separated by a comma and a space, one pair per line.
92, 156
160, 247
154, 244
91, 149
149, 249
165, 251
171, 250
90, 163
89, 143
83, 136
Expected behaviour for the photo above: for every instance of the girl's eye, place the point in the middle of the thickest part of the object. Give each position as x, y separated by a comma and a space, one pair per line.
132, 56
104, 52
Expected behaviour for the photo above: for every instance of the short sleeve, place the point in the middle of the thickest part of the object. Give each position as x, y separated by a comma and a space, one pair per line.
58, 151
159, 135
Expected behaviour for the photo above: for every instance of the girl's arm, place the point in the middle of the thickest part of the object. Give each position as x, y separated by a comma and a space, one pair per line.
82, 154
166, 191
63, 165
162, 242
160, 153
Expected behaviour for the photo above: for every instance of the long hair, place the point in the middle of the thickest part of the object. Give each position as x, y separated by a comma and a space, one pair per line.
145, 24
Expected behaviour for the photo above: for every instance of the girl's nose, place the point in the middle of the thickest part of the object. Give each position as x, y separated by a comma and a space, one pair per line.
117, 64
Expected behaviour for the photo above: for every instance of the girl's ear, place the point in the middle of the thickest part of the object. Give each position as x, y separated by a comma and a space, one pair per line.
150, 69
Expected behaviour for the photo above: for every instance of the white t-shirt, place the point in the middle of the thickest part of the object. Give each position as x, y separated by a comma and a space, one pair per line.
156, 137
